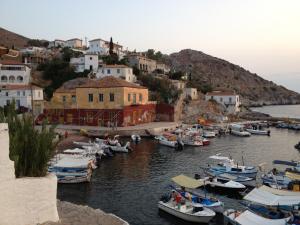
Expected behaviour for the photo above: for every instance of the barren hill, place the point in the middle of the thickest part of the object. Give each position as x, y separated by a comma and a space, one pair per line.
209, 72
12, 40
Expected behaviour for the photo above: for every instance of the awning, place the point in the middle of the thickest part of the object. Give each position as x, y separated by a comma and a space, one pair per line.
293, 176
278, 192
270, 199
249, 218
187, 182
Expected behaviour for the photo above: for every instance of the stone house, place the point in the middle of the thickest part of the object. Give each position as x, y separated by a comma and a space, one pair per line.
229, 99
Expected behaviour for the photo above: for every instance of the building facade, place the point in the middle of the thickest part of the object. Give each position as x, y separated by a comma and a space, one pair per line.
141, 62
191, 93
14, 73
87, 62
230, 100
57, 43
104, 102
23, 96
178, 84
120, 71
162, 68
98, 46
74, 43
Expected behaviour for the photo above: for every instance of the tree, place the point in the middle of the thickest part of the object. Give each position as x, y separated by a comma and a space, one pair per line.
111, 47
29, 148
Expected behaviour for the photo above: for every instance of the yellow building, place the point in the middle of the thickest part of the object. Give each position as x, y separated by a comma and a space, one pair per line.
109, 100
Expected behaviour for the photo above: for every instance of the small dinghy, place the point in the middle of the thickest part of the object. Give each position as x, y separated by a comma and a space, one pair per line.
170, 141
238, 130
209, 134
136, 138
119, 148
188, 211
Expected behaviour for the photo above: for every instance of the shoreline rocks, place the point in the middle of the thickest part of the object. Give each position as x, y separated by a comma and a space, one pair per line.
72, 214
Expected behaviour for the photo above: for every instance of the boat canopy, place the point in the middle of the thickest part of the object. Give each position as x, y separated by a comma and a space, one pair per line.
270, 199
73, 163
287, 163
75, 151
293, 176
278, 192
187, 182
250, 218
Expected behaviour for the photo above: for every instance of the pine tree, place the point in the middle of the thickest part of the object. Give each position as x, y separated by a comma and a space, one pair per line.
111, 47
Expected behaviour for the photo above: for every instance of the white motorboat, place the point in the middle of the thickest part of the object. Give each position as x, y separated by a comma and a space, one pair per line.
247, 217
228, 165
247, 181
83, 143
170, 143
191, 141
136, 138
208, 134
191, 212
226, 185
258, 132
238, 130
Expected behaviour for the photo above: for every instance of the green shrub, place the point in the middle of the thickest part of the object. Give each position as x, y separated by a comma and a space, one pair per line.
29, 148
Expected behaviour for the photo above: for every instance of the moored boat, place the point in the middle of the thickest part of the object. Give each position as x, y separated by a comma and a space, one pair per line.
136, 138
191, 212
238, 130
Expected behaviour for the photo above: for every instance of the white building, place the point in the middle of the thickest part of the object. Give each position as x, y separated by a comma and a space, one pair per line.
16, 73
121, 71
101, 47
191, 93
21, 94
229, 99
74, 43
98, 46
178, 84
57, 43
87, 62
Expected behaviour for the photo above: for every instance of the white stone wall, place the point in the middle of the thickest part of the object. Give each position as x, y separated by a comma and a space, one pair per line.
98, 46
24, 201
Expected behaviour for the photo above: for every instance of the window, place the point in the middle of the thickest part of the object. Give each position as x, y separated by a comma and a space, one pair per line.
108, 71
134, 98
103, 71
118, 70
18, 103
101, 97
91, 97
19, 79
221, 99
6, 93
7, 102
39, 94
23, 93
112, 97
73, 98
230, 99
129, 97
91, 58
140, 97
64, 98
4, 78
18, 93
211, 97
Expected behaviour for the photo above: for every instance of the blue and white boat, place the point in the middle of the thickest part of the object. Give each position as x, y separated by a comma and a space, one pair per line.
227, 165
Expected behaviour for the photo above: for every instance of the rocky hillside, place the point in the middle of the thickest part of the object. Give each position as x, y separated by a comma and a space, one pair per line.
209, 73
12, 40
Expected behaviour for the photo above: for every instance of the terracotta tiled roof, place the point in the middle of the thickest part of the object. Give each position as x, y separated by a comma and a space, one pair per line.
97, 39
110, 81
74, 39
220, 93
18, 87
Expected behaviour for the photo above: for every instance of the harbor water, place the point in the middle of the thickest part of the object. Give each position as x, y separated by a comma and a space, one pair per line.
286, 111
130, 185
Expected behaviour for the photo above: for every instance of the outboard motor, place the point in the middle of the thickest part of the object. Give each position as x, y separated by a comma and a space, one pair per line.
136, 139
197, 176
269, 132
98, 158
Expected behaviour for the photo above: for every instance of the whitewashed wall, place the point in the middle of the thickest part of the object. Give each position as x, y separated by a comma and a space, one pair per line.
24, 201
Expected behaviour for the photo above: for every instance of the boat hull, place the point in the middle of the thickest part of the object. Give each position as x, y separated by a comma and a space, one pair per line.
184, 216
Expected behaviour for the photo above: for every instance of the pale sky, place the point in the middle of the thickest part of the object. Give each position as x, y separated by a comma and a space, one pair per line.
262, 36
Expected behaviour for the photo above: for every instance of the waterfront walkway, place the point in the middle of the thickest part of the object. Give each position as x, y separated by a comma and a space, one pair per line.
71, 214
154, 128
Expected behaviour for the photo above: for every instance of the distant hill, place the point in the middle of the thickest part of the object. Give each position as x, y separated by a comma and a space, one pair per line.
209, 72
12, 40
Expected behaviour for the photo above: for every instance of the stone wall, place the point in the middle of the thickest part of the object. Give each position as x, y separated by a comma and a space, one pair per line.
24, 201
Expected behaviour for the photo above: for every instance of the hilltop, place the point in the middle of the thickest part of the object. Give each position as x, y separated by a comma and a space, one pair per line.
12, 40
209, 73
